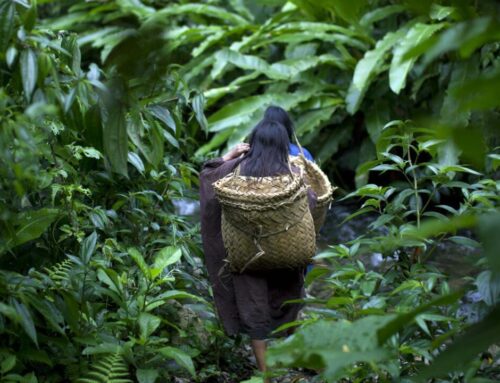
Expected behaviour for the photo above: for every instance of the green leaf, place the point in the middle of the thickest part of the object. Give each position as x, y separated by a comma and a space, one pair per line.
111, 278
164, 115
102, 348
399, 67
140, 262
477, 92
465, 37
452, 111
165, 257
350, 11
88, 247
217, 140
183, 359
254, 379
248, 62
147, 375
148, 323
198, 104
26, 320
29, 71
377, 116
171, 139
310, 121
162, 16
488, 228
368, 67
7, 364
168, 295
439, 12
7, 23
333, 346
136, 161
476, 338
114, 128
30, 225
49, 311
400, 321
380, 13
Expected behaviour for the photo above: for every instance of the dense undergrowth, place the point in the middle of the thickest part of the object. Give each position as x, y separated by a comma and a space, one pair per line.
103, 128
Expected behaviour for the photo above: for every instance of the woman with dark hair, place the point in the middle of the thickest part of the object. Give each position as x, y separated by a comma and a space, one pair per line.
249, 302
278, 114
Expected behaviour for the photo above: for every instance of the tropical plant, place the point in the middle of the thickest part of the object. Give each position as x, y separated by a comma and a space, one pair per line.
102, 128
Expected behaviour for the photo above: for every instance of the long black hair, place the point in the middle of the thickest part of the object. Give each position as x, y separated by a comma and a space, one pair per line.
268, 154
276, 113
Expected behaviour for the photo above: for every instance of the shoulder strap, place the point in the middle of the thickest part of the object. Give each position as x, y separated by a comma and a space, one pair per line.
301, 149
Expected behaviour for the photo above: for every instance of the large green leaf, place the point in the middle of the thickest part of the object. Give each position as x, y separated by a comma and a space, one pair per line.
380, 13
368, 67
400, 67
237, 113
350, 11
228, 56
26, 321
29, 71
165, 257
332, 346
309, 121
148, 323
451, 111
29, 225
198, 103
7, 13
311, 35
88, 247
464, 37
114, 128
183, 359
162, 16
147, 375
140, 262
477, 92
217, 140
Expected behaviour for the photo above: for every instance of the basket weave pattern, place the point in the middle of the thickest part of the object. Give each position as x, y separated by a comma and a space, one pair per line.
266, 222
317, 180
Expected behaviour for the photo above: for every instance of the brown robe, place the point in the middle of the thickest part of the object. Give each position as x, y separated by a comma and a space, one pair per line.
250, 302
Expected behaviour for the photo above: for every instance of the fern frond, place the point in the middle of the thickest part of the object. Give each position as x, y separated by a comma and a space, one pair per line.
109, 369
59, 273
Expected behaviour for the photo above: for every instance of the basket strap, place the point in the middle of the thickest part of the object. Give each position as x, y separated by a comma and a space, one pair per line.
298, 144
236, 171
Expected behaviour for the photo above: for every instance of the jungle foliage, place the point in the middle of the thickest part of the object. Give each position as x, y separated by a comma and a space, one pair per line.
103, 127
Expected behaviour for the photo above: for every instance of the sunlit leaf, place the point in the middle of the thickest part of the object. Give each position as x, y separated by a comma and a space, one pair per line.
29, 71
399, 67
368, 67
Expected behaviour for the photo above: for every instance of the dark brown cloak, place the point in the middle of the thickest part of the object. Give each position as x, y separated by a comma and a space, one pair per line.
251, 302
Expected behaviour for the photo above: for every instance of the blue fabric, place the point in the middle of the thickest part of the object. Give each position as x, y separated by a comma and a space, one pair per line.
295, 151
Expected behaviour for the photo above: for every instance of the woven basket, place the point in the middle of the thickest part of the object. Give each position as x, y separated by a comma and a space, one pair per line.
317, 180
266, 222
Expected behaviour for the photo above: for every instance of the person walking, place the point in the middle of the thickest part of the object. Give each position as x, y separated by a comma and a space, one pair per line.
251, 302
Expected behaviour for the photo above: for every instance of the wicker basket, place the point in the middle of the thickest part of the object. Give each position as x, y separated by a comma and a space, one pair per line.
317, 180
266, 222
